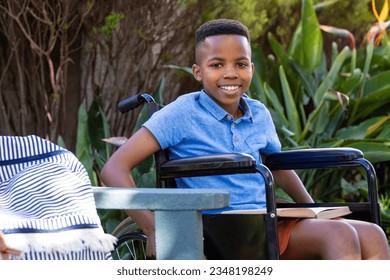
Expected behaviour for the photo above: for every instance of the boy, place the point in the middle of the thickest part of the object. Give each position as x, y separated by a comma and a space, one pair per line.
222, 119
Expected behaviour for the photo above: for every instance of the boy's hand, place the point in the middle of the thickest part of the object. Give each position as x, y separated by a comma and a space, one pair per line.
151, 246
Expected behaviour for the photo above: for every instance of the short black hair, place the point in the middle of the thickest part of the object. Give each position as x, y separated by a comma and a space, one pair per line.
220, 27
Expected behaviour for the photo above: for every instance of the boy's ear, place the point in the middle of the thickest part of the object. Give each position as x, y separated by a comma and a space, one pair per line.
196, 72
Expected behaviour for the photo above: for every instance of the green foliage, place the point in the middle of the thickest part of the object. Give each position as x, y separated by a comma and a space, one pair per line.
111, 23
356, 16
311, 43
384, 200
83, 147
90, 149
254, 14
280, 17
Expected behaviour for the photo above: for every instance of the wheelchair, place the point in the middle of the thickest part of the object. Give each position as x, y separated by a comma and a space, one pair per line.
264, 244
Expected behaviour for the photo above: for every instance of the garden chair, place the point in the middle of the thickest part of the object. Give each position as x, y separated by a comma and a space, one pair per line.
265, 245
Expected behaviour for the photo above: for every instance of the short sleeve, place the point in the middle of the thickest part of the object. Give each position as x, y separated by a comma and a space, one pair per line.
170, 124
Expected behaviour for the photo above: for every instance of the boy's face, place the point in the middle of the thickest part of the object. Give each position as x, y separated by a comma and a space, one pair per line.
223, 64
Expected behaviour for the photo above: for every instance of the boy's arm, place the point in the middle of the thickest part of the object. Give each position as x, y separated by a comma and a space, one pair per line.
117, 173
289, 181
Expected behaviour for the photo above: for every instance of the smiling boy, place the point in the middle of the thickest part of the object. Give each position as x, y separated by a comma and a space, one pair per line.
222, 119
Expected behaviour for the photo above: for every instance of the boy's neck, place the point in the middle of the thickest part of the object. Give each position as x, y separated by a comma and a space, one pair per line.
239, 113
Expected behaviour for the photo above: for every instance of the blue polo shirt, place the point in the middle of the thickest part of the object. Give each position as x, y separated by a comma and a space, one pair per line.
195, 125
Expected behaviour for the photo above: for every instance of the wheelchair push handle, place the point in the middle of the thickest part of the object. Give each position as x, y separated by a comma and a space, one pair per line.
134, 102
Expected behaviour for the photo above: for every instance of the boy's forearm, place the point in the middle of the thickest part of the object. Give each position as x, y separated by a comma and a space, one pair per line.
289, 181
144, 219
116, 177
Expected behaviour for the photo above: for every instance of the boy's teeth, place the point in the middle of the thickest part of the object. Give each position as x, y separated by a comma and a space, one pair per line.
229, 87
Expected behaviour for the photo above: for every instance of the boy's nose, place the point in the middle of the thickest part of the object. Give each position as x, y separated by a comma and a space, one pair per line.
230, 73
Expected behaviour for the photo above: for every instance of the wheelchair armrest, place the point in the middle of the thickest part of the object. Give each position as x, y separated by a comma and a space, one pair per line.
208, 165
313, 158
219, 164
331, 158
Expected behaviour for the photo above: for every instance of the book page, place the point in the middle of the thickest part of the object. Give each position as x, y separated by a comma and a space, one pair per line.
300, 212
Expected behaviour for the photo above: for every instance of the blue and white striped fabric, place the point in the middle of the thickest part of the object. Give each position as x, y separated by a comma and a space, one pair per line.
47, 208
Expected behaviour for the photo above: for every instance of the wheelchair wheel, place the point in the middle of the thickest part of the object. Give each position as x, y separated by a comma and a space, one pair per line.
131, 244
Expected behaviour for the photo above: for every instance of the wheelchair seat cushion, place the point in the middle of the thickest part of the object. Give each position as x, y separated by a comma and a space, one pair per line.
47, 208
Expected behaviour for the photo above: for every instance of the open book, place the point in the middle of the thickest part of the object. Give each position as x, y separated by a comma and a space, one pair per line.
301, 212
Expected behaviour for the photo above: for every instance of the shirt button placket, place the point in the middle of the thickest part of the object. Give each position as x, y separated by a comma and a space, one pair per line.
234, 134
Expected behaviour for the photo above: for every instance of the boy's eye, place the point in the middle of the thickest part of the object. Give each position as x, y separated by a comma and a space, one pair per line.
242, 65
216, 65
238, 64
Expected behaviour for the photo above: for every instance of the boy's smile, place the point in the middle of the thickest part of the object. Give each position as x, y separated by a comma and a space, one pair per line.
223, 64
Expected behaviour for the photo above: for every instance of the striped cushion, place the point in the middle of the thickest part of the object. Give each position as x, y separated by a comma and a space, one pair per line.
47, 208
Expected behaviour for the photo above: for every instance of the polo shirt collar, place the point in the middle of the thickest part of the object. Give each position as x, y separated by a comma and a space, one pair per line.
214, 109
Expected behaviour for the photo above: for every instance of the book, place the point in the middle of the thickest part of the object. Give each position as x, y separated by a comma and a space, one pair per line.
300, 212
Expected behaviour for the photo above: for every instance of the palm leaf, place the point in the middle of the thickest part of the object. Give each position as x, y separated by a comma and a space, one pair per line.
291, 109
332, 75
311, 36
